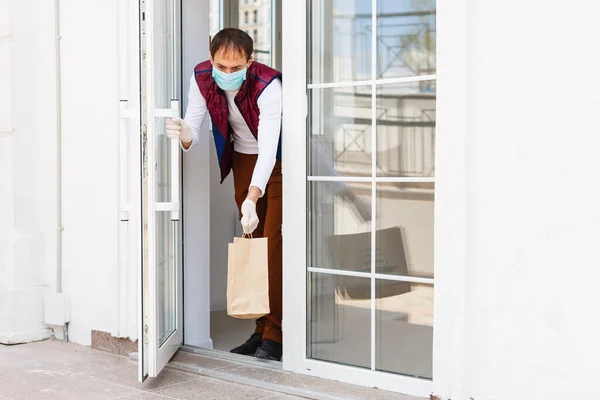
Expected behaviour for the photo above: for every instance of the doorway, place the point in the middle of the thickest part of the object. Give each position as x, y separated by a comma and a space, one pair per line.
211, 219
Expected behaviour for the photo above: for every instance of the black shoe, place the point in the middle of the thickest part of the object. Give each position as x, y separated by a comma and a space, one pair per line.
249, 348
269, 350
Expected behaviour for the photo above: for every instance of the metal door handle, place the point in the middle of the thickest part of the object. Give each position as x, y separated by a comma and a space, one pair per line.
173, 205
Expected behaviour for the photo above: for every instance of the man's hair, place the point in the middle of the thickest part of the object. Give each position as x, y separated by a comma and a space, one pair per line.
232, 39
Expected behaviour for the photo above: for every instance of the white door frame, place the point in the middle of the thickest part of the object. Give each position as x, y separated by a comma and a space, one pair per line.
448, 346
450, 234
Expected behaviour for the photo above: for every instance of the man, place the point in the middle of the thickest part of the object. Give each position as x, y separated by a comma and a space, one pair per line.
244, 100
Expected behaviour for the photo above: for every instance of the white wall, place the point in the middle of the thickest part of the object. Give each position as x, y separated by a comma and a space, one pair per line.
28, 170
90, 164
532, 100
196, 191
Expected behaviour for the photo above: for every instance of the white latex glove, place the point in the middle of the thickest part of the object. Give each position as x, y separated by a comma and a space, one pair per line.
178, 129
249, 216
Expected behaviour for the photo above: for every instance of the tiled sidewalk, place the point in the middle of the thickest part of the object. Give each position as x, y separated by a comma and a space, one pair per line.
58, 370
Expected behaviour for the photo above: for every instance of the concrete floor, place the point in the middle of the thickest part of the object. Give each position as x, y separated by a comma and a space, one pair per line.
59, 370
227, 332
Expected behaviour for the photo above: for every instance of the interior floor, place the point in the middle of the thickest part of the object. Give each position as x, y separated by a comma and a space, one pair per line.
227, 332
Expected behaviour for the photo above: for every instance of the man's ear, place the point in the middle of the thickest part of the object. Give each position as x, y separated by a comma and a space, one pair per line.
249, 62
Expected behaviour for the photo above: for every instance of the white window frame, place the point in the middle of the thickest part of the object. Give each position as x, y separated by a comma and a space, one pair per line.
450, 203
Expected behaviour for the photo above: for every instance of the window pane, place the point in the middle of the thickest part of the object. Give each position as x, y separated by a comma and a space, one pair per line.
214, 17
340, 319
404, 237
404, 328
340, 226
406, 40
340, 40
255, 19
340, 132
164, 92
165, 260
406, 115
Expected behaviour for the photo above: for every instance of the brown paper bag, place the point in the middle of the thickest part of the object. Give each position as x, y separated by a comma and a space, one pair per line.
248, 278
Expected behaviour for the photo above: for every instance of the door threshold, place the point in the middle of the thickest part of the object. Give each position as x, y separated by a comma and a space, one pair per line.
269, 376
237, 358
260, 374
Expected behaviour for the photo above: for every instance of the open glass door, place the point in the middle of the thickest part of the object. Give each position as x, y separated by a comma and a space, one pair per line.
161, 300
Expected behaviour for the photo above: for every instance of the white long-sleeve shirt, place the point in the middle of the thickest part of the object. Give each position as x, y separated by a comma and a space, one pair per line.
270, 105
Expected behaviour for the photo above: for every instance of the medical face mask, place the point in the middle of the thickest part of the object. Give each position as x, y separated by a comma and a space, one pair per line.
231, 81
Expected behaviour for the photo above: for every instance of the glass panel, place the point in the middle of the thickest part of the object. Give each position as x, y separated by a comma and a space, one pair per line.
404, 237
406, 40
340, 132
340, 40
255, 20
163, 53
406, 115
163, 92
404, 328
340, 319
163, 166
165, 264
165, 238
340, 226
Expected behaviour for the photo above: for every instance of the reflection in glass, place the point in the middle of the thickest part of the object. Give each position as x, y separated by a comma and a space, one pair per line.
404, 328
340, 226
406, 116
406, 38
340, 40
339, 330
404, 237
340, 132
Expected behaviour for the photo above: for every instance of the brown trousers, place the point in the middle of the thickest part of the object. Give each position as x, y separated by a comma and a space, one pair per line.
269, 210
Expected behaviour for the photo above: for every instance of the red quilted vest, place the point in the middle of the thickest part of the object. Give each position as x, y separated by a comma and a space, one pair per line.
258, 77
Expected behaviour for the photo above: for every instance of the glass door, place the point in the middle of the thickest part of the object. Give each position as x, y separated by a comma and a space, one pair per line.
161, 306
368, 150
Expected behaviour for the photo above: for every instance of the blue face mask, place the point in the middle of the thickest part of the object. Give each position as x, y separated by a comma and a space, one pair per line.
231, 81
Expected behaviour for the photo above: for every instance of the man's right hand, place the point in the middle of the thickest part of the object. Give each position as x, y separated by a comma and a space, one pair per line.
178, 129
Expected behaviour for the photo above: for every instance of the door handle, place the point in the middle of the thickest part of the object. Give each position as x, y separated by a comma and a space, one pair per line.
174, 206
175, 162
